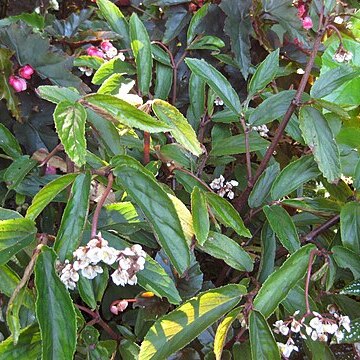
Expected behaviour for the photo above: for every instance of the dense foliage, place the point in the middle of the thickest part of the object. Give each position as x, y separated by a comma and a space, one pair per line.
180, 180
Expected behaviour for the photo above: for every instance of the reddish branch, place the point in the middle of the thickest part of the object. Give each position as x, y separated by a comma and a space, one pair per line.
241, 201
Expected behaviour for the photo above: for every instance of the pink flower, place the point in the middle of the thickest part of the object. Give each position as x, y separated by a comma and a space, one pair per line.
17, 83
301, 11
106, 45
50, 170
94, 51
307, 23
26, 72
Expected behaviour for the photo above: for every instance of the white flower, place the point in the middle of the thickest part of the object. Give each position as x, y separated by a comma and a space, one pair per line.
344, 321
322, 337
95, 254
280, 327
338, 20
218, 101
314, 335
69, 276
80, 253
224, 189
316, 324
141, 263
331, 308
137, 249
125, 263
109, 255
120, 277
132, 280
230, 194
342, 55
295, 326
86, 70
288, 348
90, 272
339, 336
330, 328
81, 264
217, 183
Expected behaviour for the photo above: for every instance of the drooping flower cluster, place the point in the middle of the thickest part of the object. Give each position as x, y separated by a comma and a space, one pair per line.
302, 13
224, 188
261, 129
106, 51
341, 55
18, 83
319, 328
87, 260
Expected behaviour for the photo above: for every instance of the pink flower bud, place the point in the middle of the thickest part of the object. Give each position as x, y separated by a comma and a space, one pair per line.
50, 170
17, 83
26, 72
122, 305
114, 309
307, 23
94, 51
106, 45
301, 11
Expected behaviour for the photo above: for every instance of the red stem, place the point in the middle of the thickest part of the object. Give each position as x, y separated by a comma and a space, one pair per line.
146, 147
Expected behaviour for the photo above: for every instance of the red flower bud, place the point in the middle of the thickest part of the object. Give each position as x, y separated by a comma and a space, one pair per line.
106, 45
307, 23
26, 72
94, 51
17, 83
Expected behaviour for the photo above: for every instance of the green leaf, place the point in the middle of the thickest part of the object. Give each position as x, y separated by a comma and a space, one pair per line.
350, 226
349, 136
119, 111
70, 121
180, 128
15, 234
260, 191
195, 21
222, 331
268, 252
9, 280
283, 226
74, 218
115, 19
92, 62
129, 350
197, 97
352, 289
163, 82
47, 194
236, 144
154, 278
16, 172
274, 107
207, 43
111, 67
264, 73
8, 142
347, 259
7, 92
160, 55
27, 347
332, 80
218, 83
238, 27
54, 310
178, 328
294, 175
227, 214
284, 278
318, 136
224, 248
140, 184
141, 47
353, 336
262, 341
200, 215
176, 19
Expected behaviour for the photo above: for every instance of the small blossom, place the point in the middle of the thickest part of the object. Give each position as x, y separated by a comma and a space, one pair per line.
332, 309
295, 326
217, 183
330, 328
224, 189
86, 70
338, 20
342, 55
316, 324
119, 307
54, 4
26, 72
288, 348
94, 51
307, 23
90, 272
17, 83
281, 328
344, 321
218, 101
301, 11
120, 277
339, 335
323, 337
69, 276
109, 49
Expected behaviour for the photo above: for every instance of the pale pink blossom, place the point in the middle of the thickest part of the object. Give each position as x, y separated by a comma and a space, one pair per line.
17, 83
307, 23
26, 72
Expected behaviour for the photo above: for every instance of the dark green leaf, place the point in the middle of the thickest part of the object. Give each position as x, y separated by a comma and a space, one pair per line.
207, 43
120, 111
264, 73
350, 226
141, 47
284, 278
114, 66
283, 226
349, 136
260, 191
227, 214
195, 21
224, 248
347, 259
160, 55
293, 176
163, 82
352, 289
178, 328
268, 247
15, 234
74, 218
180, 128
200, 215
197, 97
47, 194
16, 172
177, 18
8, 142
218, 83
129, 350
333, 79
157, 207
116, 20
317, 134
70, 121
54, 309
262, 341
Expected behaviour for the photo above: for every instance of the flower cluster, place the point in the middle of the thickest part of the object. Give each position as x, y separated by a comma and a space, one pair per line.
302, 13
261, 129
87, 259
341, 55
224, 188
218, 101
319, 328
18, 83
106, 51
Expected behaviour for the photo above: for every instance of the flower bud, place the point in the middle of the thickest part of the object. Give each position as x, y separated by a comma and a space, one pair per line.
106, 45
26, 72
94, 51
17, 83
307, 23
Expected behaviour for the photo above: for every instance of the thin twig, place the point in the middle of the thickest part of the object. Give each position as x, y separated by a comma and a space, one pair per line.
247, 150
57, 148
313, 253
320, 229
100, 205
